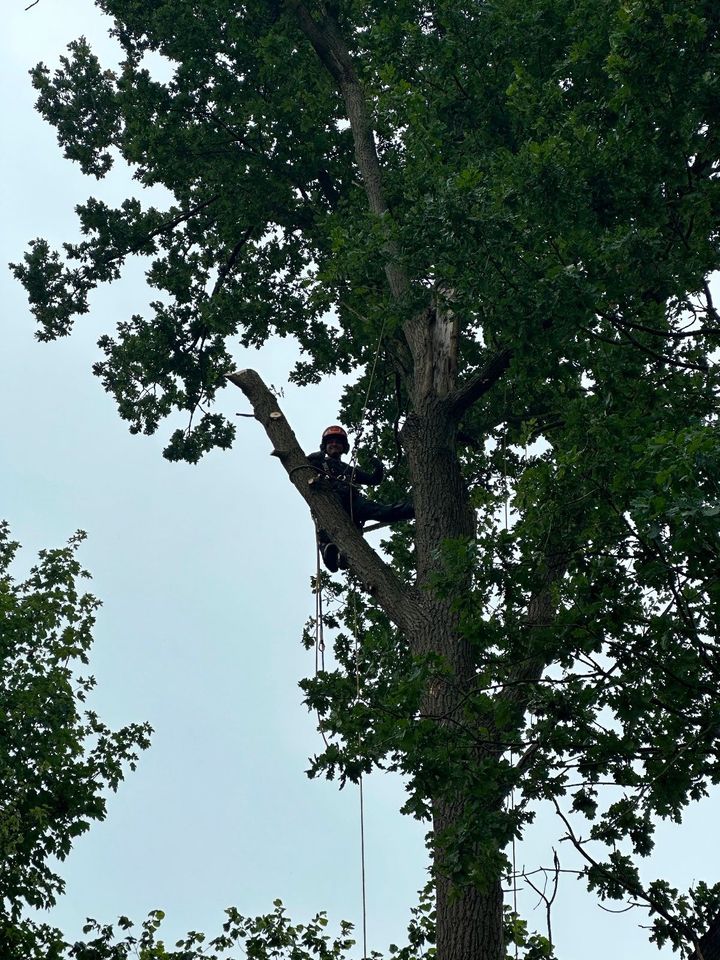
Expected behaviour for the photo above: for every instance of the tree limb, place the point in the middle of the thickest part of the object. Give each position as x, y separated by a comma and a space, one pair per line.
381, 582
230, 262
332, 50
480, 383
635, 890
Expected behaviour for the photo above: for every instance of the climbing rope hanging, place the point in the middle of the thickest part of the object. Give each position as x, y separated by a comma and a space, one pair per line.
361, 427
319, 634
320, 640
320, 667
356, 638
356, 655
506, 527
319, 617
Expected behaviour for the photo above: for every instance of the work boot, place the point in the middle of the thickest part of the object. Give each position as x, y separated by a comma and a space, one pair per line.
331, 556
403, 510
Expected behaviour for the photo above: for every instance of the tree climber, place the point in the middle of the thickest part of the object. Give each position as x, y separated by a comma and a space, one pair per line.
344, 480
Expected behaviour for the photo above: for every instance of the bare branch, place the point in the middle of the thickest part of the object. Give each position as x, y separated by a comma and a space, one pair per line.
636, 889
542, 894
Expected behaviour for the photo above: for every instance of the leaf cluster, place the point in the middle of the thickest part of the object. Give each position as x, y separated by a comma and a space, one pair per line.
57, 757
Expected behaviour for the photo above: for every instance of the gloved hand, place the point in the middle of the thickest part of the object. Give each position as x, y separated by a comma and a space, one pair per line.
377, 470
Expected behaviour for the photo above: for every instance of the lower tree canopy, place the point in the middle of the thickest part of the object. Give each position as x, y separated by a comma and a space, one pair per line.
57, 758
502, 218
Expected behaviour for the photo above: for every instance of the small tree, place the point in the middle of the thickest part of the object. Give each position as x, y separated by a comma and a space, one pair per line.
513, 206
57, 761
57, 758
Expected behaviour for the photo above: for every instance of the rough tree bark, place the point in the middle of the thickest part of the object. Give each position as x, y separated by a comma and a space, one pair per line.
710, 942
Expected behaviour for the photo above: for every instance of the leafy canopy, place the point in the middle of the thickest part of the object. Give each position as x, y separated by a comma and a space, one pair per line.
550, 162
57, 758
550, 168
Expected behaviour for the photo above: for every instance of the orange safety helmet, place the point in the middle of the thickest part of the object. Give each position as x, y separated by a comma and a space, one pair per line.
337, 434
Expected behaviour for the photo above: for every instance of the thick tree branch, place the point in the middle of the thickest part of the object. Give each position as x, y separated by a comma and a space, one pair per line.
430, 333
541, 612
397, 600
480, 383
332, 50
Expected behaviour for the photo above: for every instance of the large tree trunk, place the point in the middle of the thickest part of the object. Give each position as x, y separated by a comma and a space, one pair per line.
469, 920
710, 942
469, 923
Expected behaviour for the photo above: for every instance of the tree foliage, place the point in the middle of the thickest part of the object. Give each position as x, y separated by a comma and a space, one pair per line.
57, 758
517, 203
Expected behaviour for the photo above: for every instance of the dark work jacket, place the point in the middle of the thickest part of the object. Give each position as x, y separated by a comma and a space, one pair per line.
344, 481
343, 475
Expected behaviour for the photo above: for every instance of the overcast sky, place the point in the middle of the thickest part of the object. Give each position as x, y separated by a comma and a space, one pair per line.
204, 573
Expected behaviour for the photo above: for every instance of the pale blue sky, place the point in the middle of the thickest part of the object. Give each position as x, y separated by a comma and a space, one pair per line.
204, 573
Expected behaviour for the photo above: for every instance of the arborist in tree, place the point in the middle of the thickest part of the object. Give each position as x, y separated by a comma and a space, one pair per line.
345, 480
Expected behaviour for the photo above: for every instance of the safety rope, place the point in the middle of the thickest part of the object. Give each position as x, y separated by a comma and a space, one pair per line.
362, 867
320, 641
361, 428
356, 653
358, 438
320, 667
319, 617
506, 525
319, 632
